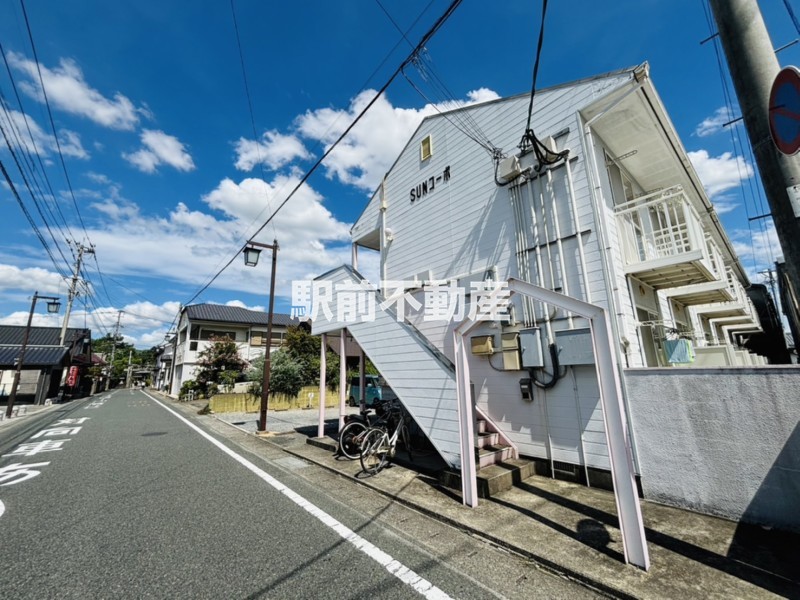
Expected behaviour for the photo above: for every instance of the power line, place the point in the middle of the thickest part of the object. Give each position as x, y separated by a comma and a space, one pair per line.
250, 105
30, 219
738, 146
431, 32
52, 122
30, 191
529, 141
33, 141
466, 124
792, 16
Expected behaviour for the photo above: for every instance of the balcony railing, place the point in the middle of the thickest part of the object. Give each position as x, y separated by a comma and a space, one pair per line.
661, 233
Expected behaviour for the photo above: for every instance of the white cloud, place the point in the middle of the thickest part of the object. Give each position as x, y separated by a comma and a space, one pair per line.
275, 151
67, 90
33, 278
757, 249
188, 245
369, 150
240, 304
720, 173
39, 319
714, 123
32, 138
160, 149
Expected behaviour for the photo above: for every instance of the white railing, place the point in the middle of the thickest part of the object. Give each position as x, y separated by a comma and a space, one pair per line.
736, 288
715, 258
659, 225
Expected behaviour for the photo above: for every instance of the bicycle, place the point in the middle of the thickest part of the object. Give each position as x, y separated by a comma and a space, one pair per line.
377, 445
352, 434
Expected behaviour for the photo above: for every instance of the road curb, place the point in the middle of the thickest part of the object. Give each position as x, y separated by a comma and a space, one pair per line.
542, 562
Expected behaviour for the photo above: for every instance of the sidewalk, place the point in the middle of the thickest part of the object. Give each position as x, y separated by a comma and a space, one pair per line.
572, 529
20, 411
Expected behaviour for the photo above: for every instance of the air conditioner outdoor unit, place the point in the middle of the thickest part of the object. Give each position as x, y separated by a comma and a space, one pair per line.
508, 169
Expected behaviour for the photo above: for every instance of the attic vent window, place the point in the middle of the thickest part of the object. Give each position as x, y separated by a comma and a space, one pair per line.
426, 148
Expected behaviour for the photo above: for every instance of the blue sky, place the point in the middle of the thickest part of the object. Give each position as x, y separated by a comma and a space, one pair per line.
149, 103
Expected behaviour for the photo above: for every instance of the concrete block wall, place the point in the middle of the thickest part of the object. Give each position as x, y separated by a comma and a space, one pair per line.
722, 441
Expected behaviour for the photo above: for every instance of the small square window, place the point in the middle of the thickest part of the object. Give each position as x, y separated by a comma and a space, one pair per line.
426, 148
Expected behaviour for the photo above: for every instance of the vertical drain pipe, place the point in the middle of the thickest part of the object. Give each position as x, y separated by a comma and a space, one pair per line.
521, 249
537, 250
551, 337
578, 233
559, 244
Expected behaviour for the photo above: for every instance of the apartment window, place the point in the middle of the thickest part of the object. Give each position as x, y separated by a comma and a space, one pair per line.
426, 148
259, 338
207, 334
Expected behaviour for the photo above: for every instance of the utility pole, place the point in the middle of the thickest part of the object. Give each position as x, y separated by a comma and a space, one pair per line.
753, 67
114, 348
130, 367
73, 291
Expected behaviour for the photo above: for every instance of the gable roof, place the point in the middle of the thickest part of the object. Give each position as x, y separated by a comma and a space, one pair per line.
11, 335
235, 314
37, 356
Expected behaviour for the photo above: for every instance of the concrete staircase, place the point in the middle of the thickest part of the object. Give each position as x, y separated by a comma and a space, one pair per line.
497, 469
424, 380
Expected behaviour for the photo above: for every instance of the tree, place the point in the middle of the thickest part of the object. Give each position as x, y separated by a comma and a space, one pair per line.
221, 356
285, 375
304, 348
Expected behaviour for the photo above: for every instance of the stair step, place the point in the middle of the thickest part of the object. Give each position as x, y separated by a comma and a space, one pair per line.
482, 440
480, 426
493, 479
492, 455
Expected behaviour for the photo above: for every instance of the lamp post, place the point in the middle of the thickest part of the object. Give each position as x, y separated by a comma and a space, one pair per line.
53, 305
252, 251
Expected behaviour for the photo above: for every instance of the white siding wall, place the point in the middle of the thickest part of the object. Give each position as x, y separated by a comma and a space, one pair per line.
467, 225
426, 386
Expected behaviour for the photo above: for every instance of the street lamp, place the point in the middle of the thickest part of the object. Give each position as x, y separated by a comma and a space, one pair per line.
251, 253
53, 305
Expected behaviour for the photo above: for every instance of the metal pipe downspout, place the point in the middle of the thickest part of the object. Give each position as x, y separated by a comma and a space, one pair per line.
578, 232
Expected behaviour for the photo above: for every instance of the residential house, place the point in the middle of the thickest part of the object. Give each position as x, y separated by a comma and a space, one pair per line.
610, 212
45, 361
200, 324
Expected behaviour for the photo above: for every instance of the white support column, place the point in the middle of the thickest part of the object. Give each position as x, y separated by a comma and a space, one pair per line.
322, 384
618, 437
469, 480
354, 256
342, 375
362, 381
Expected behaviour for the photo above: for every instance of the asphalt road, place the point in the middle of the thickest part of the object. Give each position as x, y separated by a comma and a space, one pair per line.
119, 495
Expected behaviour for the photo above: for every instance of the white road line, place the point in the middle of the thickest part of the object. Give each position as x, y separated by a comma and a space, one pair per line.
2, 508
403, 573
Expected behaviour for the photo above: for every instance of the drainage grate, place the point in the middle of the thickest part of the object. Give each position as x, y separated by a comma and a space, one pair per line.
563, 467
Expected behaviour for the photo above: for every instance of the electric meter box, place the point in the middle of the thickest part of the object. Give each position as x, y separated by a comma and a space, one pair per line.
482, 345
574, 347
530, 344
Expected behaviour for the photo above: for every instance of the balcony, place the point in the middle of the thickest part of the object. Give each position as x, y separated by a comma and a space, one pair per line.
709, 292
663, 241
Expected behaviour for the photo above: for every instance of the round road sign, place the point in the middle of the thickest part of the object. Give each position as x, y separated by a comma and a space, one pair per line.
784, 110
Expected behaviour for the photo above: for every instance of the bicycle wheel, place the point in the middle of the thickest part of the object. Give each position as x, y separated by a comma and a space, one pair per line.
374, 448
350, 440
405, 436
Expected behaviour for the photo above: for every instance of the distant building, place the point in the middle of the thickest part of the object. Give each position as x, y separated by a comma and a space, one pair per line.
199, 324
45, 361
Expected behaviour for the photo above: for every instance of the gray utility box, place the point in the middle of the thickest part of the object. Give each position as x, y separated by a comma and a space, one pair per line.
575, 347
530, 345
